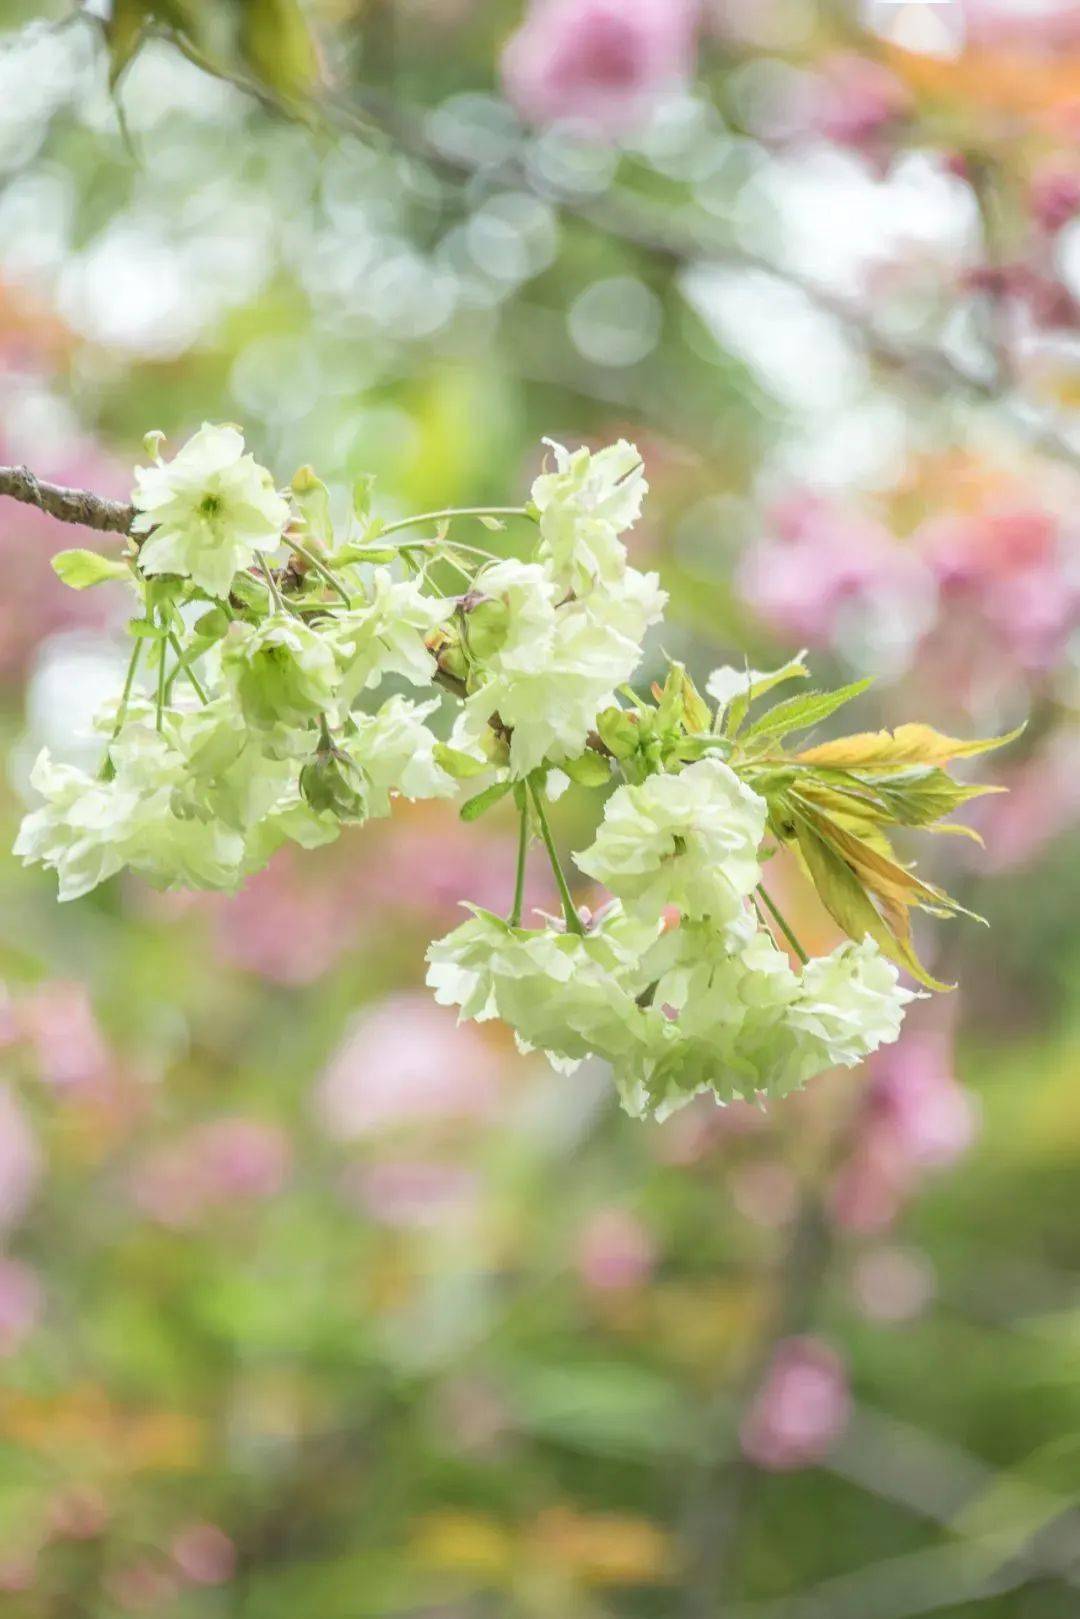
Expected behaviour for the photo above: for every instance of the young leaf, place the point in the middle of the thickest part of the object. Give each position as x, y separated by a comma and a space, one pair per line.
733, 690
473, 808
848, 903
363, 489
797, 713
80, 569
897, 750
313, 499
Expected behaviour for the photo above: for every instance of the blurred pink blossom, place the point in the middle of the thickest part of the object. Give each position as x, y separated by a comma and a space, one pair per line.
1043, 801
800, 1409
822, 564
615, 1251
21, 1304
1044, 25
226, 1161
143, 1587
407, 1062
1016, 569
917, 1117
288, 924
600, 61
204, 1554
20, 1160
295, 920
857, 101
58, 1020
412, 1193
78, 1512
18, 1571
1054, 196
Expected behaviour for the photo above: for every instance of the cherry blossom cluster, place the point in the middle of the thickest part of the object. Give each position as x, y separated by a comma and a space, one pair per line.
255, 713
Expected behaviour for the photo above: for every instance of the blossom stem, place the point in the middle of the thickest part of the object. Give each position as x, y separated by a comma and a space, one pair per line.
268, 581
182, 663
320, 567
107, 772
522, 851
573, 920
449, 513
158, 720
778, 917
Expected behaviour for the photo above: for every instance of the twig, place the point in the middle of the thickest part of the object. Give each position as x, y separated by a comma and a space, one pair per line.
67, 505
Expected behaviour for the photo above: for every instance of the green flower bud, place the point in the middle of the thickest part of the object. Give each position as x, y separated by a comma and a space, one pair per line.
332, 784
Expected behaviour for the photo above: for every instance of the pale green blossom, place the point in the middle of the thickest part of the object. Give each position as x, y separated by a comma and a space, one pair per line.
395, 752
79, 830
207, 511
282, 671
688, 840
387, 634
566, 995
850, 1003
548, 673
584, 505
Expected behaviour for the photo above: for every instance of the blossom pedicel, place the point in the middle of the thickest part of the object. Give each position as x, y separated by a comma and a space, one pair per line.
262, 723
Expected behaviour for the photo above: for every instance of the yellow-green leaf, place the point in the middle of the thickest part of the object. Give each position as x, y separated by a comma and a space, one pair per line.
277, 45
848, 903
80, 569
897, 750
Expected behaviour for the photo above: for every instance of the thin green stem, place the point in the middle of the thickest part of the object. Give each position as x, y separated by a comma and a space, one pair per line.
129, 683
573, 920
522, 851
781, 922
447, 515
320, 567
269, 582
106, 771
182, 663
158, 718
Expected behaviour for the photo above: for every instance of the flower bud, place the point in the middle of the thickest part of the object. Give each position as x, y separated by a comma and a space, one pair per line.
333, 785
620, 730
487, 627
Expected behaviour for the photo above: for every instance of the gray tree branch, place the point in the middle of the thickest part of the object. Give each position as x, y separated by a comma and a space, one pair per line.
67, 505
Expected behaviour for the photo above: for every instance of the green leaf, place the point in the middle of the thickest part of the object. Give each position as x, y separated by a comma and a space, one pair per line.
361, 553
143, 630
494, 525
79, 569
212, 625
458, 764
848, 903
760, 682
363, 490
473, 808
797, 713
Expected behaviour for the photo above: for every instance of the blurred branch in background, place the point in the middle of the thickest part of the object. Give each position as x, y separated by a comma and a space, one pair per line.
670, 238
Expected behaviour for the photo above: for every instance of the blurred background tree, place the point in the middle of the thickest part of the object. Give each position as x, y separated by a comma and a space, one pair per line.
290, 1316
